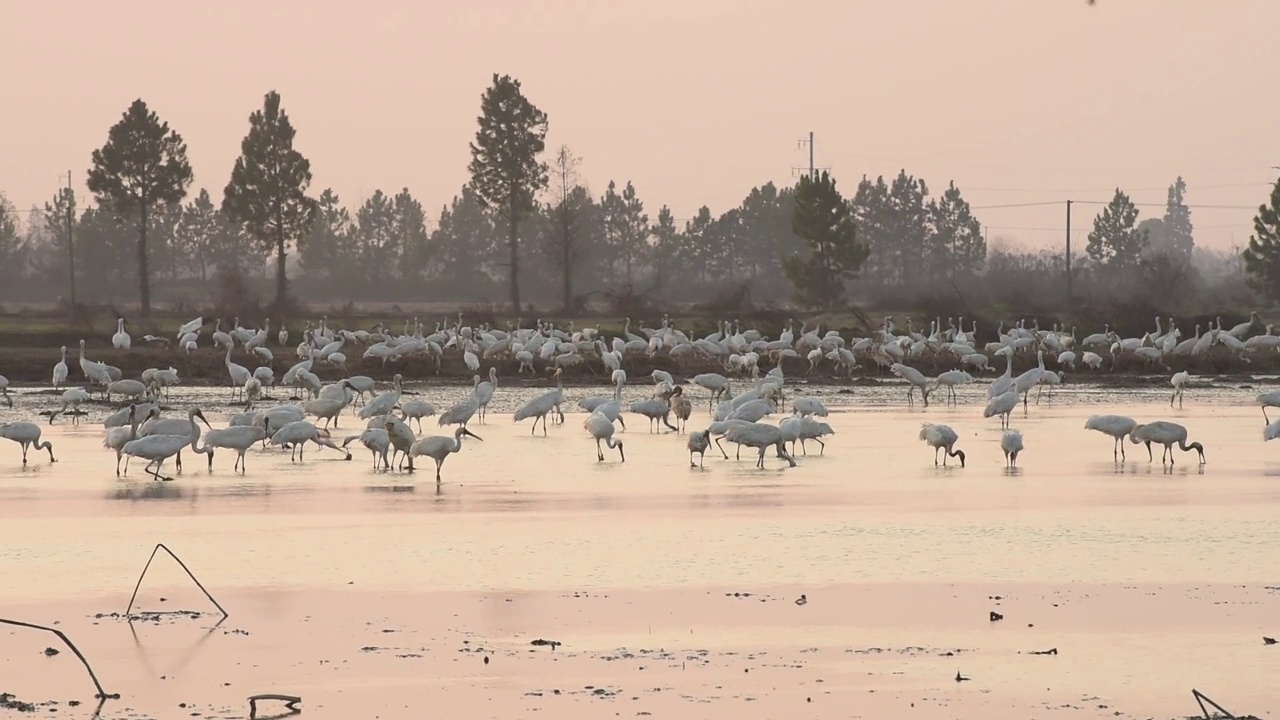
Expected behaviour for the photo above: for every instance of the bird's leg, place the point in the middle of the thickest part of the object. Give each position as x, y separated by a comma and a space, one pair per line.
1150, 457
1265, 419
438, 464
599, 452
691, 459
824, 447
760, 462
722, 452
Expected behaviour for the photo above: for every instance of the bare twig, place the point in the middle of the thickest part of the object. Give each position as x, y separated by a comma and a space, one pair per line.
1202, 699
158, 548
290, 701
102, 694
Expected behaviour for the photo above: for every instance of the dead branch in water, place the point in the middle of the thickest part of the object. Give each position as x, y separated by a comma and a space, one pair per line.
158, 548
1201, 698
102, 694
290, 701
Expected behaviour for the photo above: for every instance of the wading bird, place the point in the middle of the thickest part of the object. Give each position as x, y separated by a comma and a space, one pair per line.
601, 428
941, 438
1011, 443
27, 435
438, 447
1117, 426
1167, 434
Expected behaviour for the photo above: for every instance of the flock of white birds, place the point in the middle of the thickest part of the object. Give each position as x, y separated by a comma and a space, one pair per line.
139, 431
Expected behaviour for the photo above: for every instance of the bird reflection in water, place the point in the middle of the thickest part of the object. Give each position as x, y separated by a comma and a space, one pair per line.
151, 491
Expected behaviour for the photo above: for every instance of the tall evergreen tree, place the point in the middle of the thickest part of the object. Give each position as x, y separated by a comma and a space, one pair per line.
1178, 236
1115, 241
907, 232
55, 261
267, 193
326, 250
409, 230
375, 240
505, 170
875, 228
1262, 257
666, 246
825, 221
203, 235
142, 166
13, 256
955, 245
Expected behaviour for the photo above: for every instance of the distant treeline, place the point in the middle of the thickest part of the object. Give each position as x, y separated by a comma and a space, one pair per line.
892, 243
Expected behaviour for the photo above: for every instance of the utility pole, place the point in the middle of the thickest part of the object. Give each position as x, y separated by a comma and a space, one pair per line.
1069, 294
813, 168
810, 154
71, 245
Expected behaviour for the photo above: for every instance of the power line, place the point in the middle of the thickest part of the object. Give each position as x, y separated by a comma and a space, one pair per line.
902, 162
1017, 205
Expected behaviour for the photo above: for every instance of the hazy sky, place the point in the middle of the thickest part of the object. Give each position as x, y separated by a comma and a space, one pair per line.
695, 101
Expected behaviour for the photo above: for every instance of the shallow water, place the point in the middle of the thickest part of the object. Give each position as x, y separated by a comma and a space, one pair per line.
1147, 580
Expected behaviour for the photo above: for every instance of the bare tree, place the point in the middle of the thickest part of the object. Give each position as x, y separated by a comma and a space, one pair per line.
567, 211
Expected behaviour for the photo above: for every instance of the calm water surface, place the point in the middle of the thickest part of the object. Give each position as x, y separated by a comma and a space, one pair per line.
871, 519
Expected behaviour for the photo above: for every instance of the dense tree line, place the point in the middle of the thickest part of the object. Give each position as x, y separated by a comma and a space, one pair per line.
527, 229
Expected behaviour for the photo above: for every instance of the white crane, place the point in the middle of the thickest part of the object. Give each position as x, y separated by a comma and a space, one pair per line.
1024, 383
416, 409
1266, 400
804, 406
951, 379
484, 391
121, 340
717, 384
762, 436
71, 398
60, 370
656, 409
117, 437
601, 428
1117, 426
190, 327
942, 439
1011, 444
1002, 405
239, 374
377, 441
385, 402
158, 448
541, 406
1179, 382
296, 435
439, 447
239, 438
1167, 434
915, 379
4, 390
27, 435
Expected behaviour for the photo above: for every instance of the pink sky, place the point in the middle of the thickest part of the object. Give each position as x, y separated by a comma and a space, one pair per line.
694, 101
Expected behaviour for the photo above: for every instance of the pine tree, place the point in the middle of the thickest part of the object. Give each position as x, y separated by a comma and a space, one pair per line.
267, 193
825, 221
142, 166
1115, 241
505, 170
1262, 257
1177, 229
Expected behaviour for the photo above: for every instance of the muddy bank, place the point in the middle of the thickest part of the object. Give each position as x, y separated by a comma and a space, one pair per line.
33, 366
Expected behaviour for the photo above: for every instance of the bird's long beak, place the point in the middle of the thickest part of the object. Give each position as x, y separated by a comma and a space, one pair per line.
206, 422
468, 432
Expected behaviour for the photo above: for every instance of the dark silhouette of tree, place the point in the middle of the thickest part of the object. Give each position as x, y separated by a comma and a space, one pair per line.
907, 228
326, 250
825, 222
873, 214
53, 260
1115, 241
505, 170
465, 241
626, 233
13, 246
666, 246
410, 237
267, 193
955, 243
375, 240
1262, 257
765, 215
696, 256
103, 244
566, 215
143, 165
197, 233
1178, 237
